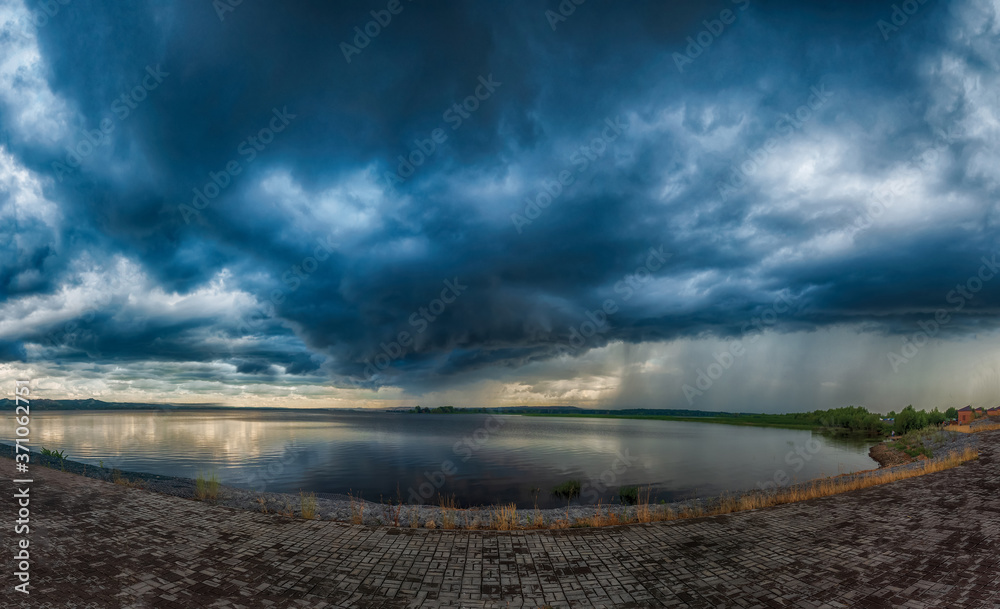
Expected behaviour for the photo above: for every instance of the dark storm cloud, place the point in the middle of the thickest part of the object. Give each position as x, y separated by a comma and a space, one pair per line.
344, 264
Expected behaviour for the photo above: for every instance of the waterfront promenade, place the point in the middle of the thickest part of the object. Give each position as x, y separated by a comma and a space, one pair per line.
931, 541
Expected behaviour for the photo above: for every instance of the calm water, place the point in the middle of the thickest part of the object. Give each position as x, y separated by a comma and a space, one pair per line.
481, 459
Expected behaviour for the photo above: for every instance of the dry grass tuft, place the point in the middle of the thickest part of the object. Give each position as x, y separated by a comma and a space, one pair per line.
357, 509
120, 480
642, 510
395, 511
308, 505
448, 511
504, 518
830, 486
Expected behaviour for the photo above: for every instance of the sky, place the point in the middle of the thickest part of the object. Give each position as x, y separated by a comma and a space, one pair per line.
742, 205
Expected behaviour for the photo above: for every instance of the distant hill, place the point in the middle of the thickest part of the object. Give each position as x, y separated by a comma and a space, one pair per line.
92, 404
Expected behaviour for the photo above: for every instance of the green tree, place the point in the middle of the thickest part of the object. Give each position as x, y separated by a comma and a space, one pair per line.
909, 419
935, 417
951, 413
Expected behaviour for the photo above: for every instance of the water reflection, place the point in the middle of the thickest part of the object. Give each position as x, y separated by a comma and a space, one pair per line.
492, 460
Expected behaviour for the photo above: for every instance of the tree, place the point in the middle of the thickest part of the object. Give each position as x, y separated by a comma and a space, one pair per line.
951, 413
936, 417
909, 419
892, 414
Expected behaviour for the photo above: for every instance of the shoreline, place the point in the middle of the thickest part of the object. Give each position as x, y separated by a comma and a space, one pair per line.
888, 456
347, 509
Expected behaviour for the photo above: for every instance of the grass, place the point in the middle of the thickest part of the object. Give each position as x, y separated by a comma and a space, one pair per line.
504, 518
628, 495
308, 505
986, 427
395, 511
58, 454
606, 517
537, 520
357, 509
206, 487
922, 442
568, 489
642, 511
120, 480
832, 486
448, 511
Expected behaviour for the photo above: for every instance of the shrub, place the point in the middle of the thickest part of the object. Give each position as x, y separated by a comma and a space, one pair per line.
629, 495
568, 489
206, 487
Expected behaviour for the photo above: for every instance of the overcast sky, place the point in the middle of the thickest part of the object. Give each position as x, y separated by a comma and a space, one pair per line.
747, 205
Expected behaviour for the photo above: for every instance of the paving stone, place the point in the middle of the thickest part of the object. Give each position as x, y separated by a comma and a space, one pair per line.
926, 542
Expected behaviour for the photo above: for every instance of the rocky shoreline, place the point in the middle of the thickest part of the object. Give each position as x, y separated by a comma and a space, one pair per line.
352, 509
886, 453
888, 456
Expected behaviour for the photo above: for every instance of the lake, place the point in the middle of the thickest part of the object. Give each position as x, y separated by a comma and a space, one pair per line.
478, 458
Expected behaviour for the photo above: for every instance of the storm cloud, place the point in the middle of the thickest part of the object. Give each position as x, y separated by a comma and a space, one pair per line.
415, 199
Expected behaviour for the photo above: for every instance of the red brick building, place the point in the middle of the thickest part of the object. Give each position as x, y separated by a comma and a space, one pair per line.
965, 415
993, 412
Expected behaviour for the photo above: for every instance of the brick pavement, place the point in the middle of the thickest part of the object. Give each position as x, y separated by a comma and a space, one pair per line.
930, 541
